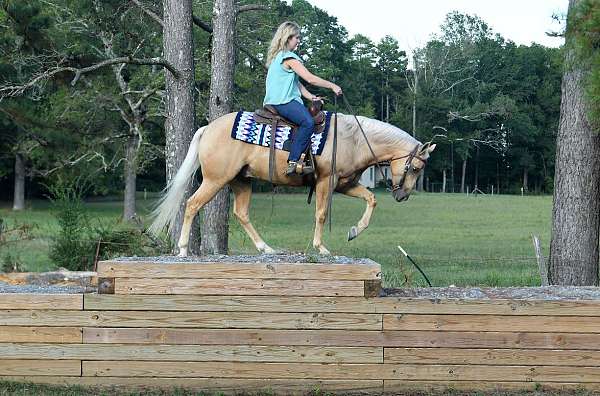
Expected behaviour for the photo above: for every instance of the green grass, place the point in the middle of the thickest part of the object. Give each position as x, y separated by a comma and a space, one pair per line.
26, 389
465, 241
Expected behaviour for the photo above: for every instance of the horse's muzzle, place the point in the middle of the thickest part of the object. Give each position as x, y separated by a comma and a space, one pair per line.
400, 195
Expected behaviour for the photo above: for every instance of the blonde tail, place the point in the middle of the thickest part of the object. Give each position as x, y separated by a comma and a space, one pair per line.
168, 206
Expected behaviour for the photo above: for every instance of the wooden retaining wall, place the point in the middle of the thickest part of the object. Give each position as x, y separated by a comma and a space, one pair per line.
290, 328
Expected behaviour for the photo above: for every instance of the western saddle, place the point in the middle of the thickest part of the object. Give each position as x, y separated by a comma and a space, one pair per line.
269, 115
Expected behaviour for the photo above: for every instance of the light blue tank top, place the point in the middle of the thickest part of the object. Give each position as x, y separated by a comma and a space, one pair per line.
282, 84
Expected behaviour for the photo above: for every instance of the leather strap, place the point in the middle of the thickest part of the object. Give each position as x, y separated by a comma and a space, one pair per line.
272, 149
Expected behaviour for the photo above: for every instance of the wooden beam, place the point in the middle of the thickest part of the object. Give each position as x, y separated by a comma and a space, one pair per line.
206, 320
40, 367
411, 339
248, 287
40, 334
342, 371
547, 324
198, 353
236, 270
41, 301
524, 357
229, 303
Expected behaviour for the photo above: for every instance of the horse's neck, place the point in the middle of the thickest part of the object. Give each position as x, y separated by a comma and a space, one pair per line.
382, 150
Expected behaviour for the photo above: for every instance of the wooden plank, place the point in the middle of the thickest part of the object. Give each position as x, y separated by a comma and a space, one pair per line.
199, 353
41, 301
228, 303
403, 305
414, 339
403, 386
40, 334
522, 357
233, 386
248, 287
549, 324
206, 320
341, 371
231, 370
236, 270
390, 305
40, 367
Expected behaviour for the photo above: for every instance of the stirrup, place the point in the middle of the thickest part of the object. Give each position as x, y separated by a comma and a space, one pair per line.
291, 168
298, 168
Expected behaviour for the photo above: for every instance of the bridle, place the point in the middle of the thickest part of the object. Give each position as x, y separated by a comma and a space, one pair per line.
409, 158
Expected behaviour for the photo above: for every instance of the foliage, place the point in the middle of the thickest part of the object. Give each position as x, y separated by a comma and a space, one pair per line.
584, 27
490, 104
72, 246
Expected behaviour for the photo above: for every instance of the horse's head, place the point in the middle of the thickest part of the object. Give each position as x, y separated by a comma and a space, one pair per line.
406, 169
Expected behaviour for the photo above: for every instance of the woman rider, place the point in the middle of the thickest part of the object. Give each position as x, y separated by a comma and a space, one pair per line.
284, 90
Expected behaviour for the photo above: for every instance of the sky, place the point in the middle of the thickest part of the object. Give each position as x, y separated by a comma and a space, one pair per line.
413, 22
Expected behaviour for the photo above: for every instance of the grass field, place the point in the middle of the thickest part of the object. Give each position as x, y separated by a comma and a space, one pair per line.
24, 389
459, 240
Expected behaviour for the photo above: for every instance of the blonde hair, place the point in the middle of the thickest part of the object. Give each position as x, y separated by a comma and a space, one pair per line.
279, 43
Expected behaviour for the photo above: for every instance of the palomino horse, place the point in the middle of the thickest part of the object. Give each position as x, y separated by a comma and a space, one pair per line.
224, 160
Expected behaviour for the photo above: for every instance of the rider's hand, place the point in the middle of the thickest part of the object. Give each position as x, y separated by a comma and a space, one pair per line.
336, 89
317, 99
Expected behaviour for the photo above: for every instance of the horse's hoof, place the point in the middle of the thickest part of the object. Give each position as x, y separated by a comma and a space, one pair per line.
324, 251
266, 249
269, 250
353, 233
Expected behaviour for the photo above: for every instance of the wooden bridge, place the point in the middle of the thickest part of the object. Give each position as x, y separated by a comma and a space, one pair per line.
290, 327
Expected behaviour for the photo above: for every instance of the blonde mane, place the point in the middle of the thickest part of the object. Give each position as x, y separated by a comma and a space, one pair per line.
383, 132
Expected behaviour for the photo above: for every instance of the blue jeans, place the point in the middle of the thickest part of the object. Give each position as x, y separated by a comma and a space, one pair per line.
298, 114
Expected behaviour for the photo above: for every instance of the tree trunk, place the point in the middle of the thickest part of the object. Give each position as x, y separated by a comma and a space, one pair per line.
444, 180
215, 228
131, 166
525, 181
497, 177
476, 169
180, 122
462, 176
19, 192
576, 210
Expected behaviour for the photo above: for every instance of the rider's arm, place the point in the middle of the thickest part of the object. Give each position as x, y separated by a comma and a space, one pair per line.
305, 93
310, 78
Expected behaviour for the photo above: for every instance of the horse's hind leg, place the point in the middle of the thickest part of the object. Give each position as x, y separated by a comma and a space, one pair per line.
242, 192
360, 191
207, 190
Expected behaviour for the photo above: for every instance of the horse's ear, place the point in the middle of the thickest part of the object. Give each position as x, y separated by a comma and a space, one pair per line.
427, 148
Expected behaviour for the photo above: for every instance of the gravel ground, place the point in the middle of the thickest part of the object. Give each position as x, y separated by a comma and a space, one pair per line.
254, 258
47, 289
490, 293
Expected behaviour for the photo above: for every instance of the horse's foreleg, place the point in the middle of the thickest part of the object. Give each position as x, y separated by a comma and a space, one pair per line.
242, 192
360, 191
322, 194
205, 193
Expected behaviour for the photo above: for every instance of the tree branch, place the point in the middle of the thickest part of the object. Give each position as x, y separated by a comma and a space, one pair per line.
250, 7
149, 12
204, 26
15, 90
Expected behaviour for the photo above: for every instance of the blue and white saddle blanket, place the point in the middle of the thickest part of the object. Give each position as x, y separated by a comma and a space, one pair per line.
246, 129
